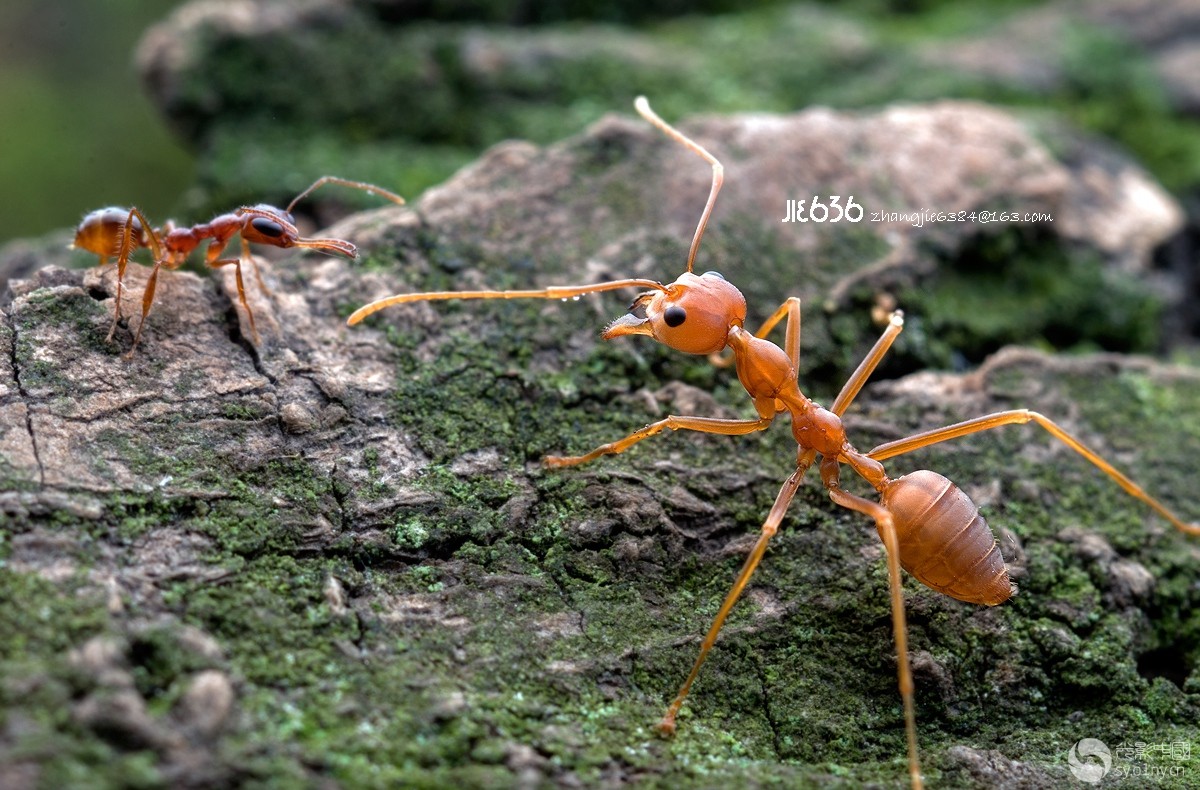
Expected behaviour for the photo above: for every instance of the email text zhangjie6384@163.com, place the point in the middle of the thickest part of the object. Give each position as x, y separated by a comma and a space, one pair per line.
833, 209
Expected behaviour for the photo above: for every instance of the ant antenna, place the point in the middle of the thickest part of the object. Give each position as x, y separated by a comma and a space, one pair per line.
643, 108
553, 292
323, 180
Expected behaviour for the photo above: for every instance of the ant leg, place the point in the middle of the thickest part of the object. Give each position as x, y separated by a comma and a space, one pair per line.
553, 292
871, 361
236, 263
323, 180
667, 725
1018, 417
246, 256
128, 243
887, 530
702, 424
791, 343
147, 301
117, 303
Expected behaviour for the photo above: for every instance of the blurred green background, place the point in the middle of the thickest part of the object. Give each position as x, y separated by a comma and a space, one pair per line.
76, 129
393, 91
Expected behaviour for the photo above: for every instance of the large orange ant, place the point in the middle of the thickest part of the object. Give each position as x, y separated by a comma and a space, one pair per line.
928, 525
119, 232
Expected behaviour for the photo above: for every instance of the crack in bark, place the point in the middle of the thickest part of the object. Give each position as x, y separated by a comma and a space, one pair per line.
149, 398
16, 370
34, 444
339, 496
155, 398
767, 714
233, 321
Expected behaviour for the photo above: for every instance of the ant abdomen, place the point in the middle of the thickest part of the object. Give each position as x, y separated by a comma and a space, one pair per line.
944, 542
101, 232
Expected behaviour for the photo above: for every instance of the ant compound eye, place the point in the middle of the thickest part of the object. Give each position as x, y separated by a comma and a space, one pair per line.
267, 227
718, 275
674, 316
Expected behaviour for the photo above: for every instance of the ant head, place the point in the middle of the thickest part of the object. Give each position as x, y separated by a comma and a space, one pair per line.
263, 224
693, 314
268, 225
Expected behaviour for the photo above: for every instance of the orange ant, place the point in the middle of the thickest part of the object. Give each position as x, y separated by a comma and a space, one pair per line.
120, 232
928, 525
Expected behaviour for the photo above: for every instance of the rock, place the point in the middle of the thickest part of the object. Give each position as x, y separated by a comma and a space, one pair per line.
369, 584
1169, 32
205, 707
992, 769
1033, 49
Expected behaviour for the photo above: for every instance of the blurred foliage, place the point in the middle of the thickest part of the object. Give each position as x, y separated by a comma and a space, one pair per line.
431, 90
402, 93
78, 131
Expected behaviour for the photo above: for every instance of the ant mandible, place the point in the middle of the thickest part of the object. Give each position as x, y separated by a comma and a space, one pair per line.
928, 525
119, 232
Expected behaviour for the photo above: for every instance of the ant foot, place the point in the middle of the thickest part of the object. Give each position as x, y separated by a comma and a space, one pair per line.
666, 727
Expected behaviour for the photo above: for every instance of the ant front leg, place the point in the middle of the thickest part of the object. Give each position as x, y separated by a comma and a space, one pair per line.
887, 530
248, 258
236, 263
214, 261
666, 726
702, 424
1017, 417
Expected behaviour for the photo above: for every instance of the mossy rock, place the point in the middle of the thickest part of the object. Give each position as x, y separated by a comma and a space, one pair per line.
335, 555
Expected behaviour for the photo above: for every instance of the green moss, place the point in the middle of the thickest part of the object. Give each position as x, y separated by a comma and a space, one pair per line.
256, 161
38, 620
1114, 90
41, 622
74, 312
420, 682
246, 411
1023, 287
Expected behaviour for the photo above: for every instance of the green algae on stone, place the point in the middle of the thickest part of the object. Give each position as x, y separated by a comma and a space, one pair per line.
1022, 287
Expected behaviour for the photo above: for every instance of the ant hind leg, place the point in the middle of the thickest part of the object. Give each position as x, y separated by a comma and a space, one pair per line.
130, 241
112, 331
147, 302
1017, 417
887, 529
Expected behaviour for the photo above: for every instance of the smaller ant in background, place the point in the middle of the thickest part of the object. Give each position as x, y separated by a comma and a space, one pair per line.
119, 232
